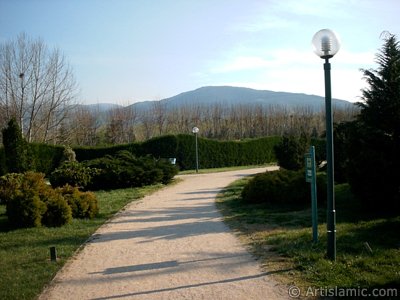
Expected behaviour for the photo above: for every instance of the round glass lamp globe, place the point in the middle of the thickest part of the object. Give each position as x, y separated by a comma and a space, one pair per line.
195, 130
326, 43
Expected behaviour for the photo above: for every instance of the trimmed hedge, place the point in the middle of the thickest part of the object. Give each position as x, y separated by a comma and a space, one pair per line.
216, 154
89, 153
160, 147
46, 158
212, 153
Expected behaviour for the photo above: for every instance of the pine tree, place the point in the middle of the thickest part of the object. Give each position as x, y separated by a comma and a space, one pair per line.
381, 107
374, 139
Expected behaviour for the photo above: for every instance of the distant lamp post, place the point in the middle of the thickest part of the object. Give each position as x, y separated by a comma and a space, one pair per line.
326, 45
195, 130
21, 77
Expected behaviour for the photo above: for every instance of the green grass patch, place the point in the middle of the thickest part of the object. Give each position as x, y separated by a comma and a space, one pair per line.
25, 266
281, 237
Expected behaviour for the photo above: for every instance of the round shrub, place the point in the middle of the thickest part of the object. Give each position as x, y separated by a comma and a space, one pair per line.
32, 203
282, 187
26, 210
58, 211
25, 207
82, 204
9, 184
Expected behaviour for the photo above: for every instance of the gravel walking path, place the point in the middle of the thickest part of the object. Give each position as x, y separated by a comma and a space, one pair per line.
169, 245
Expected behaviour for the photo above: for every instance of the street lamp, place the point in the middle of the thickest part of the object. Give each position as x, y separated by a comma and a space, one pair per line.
326, 45
195, 130
21, 76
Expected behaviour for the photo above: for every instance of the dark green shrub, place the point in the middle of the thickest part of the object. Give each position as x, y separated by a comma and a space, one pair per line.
283, 187
290, 152
3, 168
83, 204
58, 211
277, 187
125, 170
168, 170
115, 172
72, 173
15, 148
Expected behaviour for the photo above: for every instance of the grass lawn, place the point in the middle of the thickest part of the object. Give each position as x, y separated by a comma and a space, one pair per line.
281, 238
25, 266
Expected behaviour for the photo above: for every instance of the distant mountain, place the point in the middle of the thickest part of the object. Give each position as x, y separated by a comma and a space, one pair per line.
100, 107
228, 95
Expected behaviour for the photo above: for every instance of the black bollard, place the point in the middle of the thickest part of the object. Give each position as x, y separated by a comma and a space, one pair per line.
53, 254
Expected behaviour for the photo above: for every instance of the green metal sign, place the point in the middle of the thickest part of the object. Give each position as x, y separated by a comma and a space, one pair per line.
311, 177
309, 167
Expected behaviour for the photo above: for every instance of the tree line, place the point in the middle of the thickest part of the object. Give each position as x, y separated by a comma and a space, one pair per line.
217, 121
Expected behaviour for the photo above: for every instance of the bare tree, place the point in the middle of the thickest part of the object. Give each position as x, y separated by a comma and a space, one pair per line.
159, 112
37, 87
120, 125
84, 126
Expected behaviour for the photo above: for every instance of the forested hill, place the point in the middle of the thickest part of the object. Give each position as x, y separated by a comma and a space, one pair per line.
228, 95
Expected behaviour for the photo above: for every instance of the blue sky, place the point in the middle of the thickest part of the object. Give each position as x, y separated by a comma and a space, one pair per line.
124, 51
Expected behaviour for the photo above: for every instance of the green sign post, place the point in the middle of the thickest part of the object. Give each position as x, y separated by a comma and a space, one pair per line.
311, 178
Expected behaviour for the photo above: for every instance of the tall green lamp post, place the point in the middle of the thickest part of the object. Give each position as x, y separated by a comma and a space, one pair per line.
326, 45
196, 130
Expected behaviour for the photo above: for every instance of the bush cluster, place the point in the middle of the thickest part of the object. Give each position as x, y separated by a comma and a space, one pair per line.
83, 205
126, 170
72, 173
31, 202
282, 187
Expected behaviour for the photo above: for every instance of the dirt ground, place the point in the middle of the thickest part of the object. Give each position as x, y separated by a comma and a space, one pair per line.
169, 245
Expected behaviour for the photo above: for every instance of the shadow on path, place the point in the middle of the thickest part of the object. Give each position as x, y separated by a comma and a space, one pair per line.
243, 278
